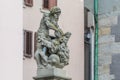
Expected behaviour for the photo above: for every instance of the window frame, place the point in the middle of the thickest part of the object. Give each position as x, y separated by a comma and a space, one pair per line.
27, 51
45, 5
28, 3
50, 4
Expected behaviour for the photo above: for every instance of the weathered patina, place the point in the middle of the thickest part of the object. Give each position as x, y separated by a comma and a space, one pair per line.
52, 51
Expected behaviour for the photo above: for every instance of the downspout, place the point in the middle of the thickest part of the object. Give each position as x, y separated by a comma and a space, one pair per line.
96, 40
92, 53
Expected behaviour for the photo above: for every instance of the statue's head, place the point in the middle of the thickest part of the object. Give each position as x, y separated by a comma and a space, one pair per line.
55, 12
55, 9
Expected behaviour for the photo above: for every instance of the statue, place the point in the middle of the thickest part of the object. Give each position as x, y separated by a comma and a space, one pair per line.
60, 50
52, 51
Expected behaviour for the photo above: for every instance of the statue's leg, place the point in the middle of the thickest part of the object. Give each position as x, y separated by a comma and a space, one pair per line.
41, 58
38, 59
44, 57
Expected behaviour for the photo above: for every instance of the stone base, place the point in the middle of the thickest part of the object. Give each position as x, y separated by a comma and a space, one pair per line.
51, 74
51, 78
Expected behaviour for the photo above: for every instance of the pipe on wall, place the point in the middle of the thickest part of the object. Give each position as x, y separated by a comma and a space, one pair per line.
92, 54
96, 40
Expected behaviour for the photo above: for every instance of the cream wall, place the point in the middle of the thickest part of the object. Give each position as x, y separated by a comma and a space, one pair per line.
32, 16
11, 48
72, 20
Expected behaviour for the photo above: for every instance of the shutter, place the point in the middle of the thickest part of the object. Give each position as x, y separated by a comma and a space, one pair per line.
52, 3
28, 3
30, 44
46, 4
27, 43
35, 41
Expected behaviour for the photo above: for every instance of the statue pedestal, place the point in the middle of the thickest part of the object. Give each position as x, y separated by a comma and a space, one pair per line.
51, 74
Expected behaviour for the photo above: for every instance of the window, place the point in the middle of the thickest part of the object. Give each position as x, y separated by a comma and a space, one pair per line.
48, 4
28, 3
27, 44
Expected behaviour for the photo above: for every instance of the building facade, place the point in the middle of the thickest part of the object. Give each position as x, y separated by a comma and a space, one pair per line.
13, 67
78, 18
71, 20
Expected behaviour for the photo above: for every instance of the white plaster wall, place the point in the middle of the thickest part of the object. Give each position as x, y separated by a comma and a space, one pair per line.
72, 20
11, 48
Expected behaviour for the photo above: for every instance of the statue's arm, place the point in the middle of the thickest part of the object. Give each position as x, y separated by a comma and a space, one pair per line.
52, 26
